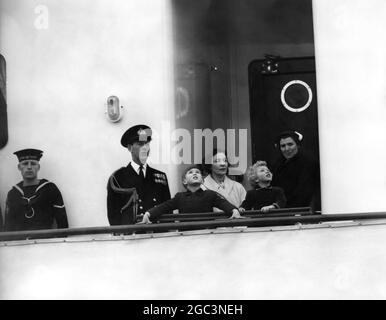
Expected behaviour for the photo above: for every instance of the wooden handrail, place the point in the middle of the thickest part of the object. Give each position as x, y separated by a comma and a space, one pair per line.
164, 227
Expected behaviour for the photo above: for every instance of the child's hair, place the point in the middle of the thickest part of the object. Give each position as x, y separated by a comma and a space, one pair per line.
251, 172
197, 166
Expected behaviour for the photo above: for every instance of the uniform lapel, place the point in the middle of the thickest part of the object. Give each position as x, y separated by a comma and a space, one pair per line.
149, 174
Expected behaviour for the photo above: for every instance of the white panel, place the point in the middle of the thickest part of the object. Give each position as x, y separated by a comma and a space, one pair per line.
350, 55
327, 263
61, 72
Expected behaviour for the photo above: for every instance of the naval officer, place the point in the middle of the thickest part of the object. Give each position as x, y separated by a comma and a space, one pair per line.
134, 189
33, 203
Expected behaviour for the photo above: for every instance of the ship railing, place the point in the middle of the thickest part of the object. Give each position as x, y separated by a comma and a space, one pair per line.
252, 219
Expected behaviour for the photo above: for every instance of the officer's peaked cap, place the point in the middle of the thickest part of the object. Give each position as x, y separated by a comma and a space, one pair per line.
138, 133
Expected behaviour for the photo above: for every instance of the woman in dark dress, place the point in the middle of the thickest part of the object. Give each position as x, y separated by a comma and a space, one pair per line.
295, 173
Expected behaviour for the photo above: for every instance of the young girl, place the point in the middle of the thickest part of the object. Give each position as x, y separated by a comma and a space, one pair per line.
264, 197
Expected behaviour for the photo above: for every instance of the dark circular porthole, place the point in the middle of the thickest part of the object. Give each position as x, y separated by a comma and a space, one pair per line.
296, 96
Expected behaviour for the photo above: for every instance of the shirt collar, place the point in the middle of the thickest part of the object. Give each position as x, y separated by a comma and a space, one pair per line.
211, 182
200, 190
136, 167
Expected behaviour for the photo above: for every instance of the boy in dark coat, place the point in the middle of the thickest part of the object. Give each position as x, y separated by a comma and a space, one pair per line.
193, 200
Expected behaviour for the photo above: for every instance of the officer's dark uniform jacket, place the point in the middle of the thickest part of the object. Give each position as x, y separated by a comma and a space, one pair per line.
128, 195
34, 207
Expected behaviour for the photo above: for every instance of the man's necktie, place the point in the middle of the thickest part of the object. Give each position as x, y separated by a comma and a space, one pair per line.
141, 174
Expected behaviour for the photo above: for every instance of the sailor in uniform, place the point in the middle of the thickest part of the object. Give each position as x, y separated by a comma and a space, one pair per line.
33, 203
134, 189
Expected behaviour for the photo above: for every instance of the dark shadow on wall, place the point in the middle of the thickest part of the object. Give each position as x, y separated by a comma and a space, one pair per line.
3, 104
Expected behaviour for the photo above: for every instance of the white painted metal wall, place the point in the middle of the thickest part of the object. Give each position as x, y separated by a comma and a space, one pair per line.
64, 58
350, 51
62, 76
324, 263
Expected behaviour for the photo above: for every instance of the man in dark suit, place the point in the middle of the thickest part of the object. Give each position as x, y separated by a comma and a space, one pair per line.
134, 189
